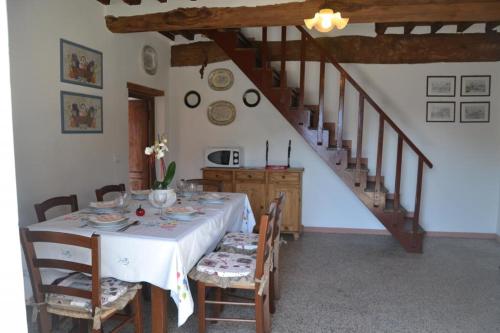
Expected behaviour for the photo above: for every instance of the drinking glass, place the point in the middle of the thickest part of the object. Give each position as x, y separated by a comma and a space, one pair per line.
160, 198
123, 199
181, 186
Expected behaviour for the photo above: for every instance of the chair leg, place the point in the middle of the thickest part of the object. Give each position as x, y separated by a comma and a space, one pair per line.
44, 321
259, 313
272, 306
201, 307
137, 312
218, 307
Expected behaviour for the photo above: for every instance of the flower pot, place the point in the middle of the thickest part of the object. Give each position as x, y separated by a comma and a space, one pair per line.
168, 194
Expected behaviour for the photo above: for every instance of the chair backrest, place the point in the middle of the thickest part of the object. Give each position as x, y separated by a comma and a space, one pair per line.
100, 192
34, 264
264, 247
208, 184
43, 207
279, 201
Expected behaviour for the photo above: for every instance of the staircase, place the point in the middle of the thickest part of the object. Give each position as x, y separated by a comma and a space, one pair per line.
326, 137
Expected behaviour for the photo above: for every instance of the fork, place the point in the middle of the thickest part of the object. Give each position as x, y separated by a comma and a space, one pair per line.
128, 226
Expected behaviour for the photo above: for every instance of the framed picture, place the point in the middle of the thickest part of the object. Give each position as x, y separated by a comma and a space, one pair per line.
440, 112
441, 86
475, 112
80, 65
478, 85
81, 113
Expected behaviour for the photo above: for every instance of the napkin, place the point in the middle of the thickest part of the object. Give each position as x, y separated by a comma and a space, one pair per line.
104, 204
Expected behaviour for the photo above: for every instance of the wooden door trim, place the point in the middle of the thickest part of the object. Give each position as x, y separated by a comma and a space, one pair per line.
143, 92
148, 95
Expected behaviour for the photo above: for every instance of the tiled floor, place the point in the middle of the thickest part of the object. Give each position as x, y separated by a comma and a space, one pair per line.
357, 283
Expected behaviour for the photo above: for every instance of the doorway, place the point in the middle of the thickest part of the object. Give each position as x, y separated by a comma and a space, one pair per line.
141, 133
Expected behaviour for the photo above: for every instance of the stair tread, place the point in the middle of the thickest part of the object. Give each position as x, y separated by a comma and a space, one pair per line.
370, 187
389, 206
408, 226
352, 166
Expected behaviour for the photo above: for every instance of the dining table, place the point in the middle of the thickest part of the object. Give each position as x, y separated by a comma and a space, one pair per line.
155, 248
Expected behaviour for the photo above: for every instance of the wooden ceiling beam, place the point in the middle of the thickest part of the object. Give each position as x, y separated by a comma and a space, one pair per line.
188, 35
461, 27
132, 2
293, 13
435, 27
169, 35
490, 26
382, 49
104, 2
408, 28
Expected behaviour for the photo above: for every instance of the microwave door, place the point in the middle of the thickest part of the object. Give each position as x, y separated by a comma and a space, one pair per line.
220, 157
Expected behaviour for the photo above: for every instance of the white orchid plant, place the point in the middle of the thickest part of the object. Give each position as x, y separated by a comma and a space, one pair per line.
158, 152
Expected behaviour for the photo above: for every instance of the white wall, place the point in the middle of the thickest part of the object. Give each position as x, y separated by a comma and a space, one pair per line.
461, 192
49, 163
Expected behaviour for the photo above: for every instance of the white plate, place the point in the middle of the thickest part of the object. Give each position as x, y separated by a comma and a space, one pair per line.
107, 219
180, 217
180, 210
109, 227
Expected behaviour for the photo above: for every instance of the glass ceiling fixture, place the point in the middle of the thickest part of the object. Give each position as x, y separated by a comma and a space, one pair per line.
326, 20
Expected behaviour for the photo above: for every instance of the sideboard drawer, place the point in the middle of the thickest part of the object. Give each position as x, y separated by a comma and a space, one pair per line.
218, 175
284, 177
251, 175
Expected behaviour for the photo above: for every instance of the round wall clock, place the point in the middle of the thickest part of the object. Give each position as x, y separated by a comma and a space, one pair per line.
220, 79
192, 99
251, 98
221, 113
149, 60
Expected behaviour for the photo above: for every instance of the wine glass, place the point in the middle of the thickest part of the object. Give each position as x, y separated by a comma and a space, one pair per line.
160, 198
123, 199
181, 186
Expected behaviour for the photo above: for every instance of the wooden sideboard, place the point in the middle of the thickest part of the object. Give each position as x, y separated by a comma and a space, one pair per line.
263, 185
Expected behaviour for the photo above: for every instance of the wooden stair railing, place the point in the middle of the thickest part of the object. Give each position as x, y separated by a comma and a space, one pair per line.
326, 138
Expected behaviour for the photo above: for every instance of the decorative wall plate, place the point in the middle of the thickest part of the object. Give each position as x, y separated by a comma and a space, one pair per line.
251, 98
149, 60
220, 79
192, 99
221, 113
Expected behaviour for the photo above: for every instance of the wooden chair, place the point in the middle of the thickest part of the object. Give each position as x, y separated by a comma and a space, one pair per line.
207, 184
274, 286
100, 192
257, 282
43, 293
43, 207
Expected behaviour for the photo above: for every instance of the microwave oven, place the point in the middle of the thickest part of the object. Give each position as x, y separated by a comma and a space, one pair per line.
223, 157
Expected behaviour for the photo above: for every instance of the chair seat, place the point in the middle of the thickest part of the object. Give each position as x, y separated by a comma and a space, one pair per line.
226, 270
115, 295
238, 242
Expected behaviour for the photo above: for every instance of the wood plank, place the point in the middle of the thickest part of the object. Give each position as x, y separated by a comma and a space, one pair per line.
380, 151
418, 193
461, 27
382, 49
399, 162
263, 48
283, 83
132, 2
143, 90
359, 141
293, 13
303, 43
435, 27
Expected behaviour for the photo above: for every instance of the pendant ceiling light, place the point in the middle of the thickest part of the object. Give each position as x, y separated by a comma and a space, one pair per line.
326, 20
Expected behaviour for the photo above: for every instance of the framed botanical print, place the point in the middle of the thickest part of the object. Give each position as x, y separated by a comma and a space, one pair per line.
475, 112
80, 65
440, 112
81, 113
441, 86
478, 85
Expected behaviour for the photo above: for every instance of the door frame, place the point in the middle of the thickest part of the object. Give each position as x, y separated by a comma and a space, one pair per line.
148, 95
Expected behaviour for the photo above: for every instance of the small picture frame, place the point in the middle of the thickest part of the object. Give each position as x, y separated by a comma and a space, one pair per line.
475, 112
80, 64
440, 112
81, 113
192, 99
475, 85
441, 86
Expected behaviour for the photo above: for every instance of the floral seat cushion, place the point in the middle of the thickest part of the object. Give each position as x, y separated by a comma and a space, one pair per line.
224, 264
239, 242
111, 292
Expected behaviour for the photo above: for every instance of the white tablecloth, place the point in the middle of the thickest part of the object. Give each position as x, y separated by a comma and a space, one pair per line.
161, 252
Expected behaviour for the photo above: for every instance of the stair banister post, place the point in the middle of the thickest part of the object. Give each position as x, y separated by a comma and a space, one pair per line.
380, 147
303, 42
399, 162
418, 193
340, 120
283, 82
264, 48
321, 101
359, 141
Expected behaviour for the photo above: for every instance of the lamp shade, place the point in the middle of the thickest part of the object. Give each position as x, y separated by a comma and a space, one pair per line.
326, 20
